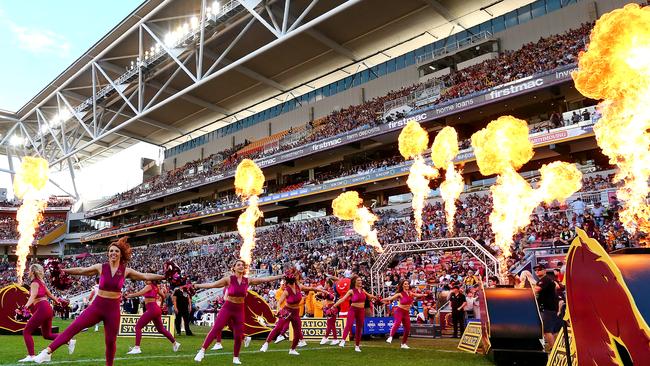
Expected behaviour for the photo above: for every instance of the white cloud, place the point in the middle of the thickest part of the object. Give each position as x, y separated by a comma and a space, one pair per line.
40, 41
35, 40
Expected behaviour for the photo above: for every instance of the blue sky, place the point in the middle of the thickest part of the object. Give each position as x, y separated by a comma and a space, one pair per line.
41, 38
38, 40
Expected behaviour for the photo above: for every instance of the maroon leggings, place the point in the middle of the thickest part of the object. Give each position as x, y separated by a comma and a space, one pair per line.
401, 316
218, 336
357, 315
331, 327
231, 314
153, 313
42, 318
101, 309
294, 319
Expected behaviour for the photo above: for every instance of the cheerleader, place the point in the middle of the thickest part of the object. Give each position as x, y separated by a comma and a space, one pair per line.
330, 312
106, 306
152, 314
290, 313
232, 312
42, 312
401, 313
356, 313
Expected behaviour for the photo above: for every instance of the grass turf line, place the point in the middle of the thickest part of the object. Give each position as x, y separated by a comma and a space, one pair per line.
90, 351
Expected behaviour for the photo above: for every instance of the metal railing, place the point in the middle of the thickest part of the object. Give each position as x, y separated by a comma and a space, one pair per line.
464, 42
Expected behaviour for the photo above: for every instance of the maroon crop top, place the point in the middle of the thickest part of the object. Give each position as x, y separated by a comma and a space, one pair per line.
112, 283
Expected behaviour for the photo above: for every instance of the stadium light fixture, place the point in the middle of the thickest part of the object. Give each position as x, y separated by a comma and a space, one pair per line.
16, 140
194, 22
44, 128
169, 39
216, 8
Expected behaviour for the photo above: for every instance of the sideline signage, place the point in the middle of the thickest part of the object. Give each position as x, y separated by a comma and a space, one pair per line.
558, 355
314, 328
128, 322
471, 339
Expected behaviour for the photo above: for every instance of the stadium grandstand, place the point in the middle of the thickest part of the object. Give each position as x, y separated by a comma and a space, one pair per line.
316, 93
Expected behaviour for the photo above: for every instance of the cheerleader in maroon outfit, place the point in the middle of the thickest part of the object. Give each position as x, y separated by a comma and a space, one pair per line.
292, 293
401, 313
153, 314
330, 312
42, 312
357, 311
232, 312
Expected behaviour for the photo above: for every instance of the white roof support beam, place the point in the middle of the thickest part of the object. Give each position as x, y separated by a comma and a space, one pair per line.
248, 72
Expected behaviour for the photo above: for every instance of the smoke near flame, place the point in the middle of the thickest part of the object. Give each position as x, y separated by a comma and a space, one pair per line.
29, 182
615, 69
349, 206
249, 183
413, 141
501, 148
443, 152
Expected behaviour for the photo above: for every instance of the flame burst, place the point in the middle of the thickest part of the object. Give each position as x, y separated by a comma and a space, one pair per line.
615, 69
443, 152
249, 182
349, 206
413, 141
29, 182
502, 148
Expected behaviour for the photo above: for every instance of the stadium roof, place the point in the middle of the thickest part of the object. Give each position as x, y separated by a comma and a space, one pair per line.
171, 71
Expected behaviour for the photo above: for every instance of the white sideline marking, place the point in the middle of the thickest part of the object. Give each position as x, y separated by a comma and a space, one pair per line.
189, 356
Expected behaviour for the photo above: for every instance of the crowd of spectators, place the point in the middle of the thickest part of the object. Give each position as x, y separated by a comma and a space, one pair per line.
9, 225
53, 201
545, 54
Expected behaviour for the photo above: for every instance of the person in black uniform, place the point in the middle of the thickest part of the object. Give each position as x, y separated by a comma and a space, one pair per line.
458, 303
182, 309
548, 301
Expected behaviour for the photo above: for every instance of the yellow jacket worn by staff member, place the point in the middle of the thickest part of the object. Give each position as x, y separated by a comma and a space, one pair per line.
310, 302
278, 294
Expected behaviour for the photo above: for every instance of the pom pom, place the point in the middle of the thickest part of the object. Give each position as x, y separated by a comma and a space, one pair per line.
59, 279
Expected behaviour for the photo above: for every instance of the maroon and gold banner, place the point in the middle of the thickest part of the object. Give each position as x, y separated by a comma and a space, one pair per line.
11, 297
607, 323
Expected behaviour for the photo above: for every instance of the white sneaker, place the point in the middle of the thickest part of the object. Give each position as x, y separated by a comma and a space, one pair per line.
265, 347
134, 351
342, 344
279, 339
199, 355
302, 343
176, 346
96, 327
334, 342
294, 352
247, 341
27, 359
71, 345
323, 341
236, 361
217, 346
404, 346
43, 357
357, 349
389, 340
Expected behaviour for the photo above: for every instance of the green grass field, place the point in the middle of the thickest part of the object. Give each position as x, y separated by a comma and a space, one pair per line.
90, 351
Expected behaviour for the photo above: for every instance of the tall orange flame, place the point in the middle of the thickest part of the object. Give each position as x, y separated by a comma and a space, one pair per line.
413, 141
501, 148
249, 183
443, 152
349, 206
615, 69
29, 182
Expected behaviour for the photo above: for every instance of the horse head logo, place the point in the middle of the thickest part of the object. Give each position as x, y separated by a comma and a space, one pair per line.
601, 308
258, 316
11, 297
